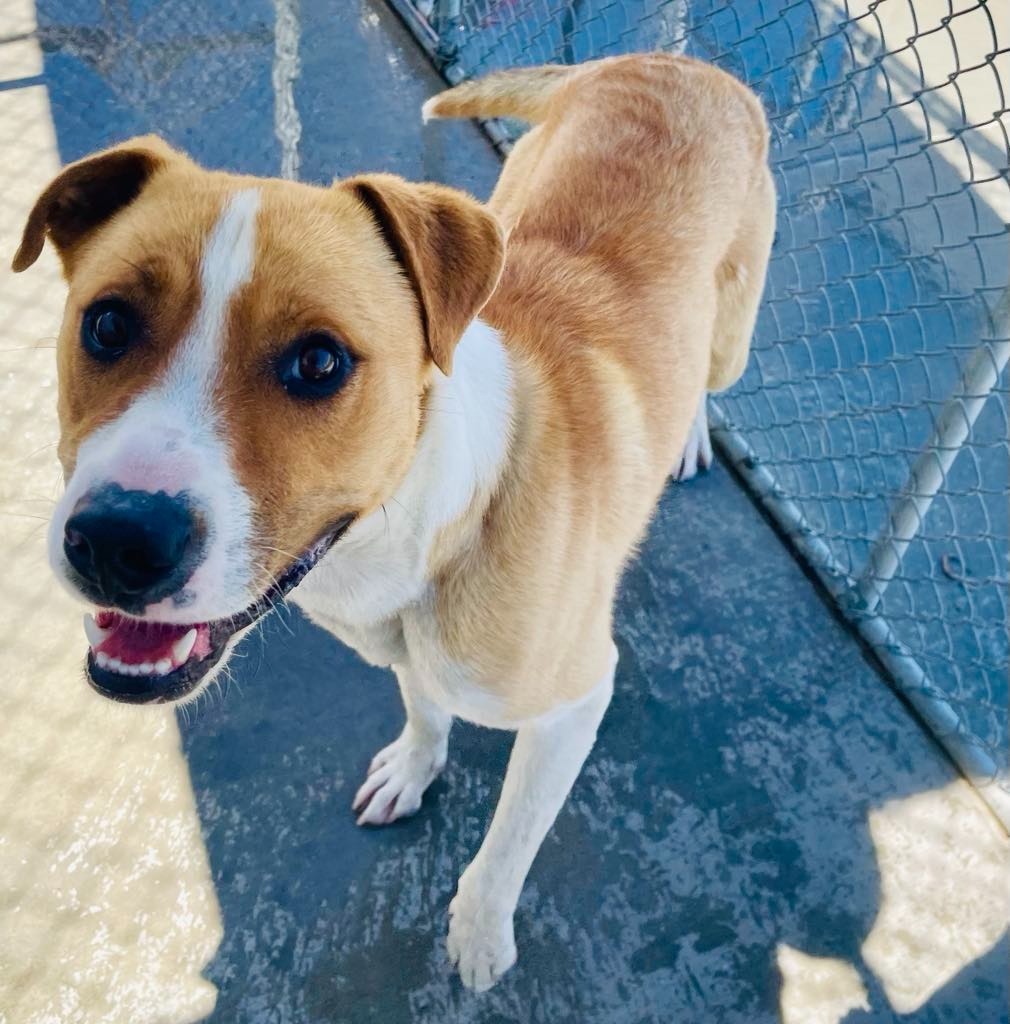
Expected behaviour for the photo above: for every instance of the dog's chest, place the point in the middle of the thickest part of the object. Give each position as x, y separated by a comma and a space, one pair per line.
453, 683
358, 597
407, 639
376, 569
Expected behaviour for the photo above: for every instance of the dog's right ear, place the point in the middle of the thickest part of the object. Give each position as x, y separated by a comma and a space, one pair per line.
87, 193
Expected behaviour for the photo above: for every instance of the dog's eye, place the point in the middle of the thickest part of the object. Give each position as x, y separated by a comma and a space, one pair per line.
108, 328
314, 366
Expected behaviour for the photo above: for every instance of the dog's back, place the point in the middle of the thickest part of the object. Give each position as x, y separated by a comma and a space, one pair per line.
640, 212
639, 197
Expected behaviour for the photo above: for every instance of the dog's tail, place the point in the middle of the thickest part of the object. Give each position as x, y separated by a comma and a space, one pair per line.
524, 93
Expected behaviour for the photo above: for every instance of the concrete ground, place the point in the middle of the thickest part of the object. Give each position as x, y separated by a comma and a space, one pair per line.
762, 832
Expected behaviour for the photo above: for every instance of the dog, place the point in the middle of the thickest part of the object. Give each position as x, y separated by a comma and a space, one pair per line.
448, 424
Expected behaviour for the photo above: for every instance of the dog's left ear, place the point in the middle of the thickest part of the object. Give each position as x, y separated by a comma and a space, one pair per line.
450, 247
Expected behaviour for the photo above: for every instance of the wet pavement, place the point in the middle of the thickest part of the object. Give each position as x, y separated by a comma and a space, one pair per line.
734, 806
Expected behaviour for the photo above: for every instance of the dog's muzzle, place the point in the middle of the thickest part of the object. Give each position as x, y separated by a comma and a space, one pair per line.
139, 661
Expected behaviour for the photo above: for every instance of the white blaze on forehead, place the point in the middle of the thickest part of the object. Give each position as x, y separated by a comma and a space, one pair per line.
171, 438
227, 264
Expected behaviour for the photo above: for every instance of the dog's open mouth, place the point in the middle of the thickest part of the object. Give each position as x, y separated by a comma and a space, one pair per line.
141, 662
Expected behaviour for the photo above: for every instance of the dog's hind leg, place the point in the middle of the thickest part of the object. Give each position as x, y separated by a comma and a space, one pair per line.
740, 280
697, 455
547, 756
400, 773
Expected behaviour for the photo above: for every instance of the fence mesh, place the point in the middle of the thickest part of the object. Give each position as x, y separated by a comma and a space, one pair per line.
872, 418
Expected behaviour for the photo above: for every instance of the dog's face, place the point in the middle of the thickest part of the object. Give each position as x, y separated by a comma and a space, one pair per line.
242, 372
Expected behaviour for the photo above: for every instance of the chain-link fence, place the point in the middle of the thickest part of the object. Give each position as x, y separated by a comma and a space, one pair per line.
872, 419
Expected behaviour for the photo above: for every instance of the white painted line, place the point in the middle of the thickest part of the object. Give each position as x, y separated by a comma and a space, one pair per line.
287, 67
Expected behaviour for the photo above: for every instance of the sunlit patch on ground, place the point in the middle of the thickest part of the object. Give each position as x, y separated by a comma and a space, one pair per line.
817, 990
107, 911
944, 896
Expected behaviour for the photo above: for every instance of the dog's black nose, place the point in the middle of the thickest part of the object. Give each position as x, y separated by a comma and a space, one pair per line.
131, 548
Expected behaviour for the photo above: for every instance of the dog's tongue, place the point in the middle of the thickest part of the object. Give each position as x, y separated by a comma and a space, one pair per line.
124, 644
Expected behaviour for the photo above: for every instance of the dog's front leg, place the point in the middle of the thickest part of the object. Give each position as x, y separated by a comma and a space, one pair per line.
400, 773
547, 756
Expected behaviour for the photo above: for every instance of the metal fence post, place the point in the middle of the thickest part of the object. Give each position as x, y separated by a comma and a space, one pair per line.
953, 427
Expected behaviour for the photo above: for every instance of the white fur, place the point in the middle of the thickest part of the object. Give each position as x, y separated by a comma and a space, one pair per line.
547, 757
170, 439
400, 773
227, 264
697, 455
380, 566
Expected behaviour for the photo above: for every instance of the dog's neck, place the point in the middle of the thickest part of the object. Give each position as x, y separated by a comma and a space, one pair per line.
384, 561
465, 437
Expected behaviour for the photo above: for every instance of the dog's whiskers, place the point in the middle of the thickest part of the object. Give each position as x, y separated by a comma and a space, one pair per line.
272, 603
36, 451
281, 551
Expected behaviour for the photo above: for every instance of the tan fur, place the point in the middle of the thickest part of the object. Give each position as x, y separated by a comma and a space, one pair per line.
438, 241
640, 211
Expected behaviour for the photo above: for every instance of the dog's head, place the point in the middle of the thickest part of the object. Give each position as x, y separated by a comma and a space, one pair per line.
242, 371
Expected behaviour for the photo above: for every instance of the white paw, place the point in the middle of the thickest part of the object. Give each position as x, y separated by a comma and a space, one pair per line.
397, 778
481, 943
698, 450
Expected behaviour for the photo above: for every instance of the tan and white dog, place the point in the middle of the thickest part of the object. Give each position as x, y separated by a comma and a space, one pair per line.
259, 378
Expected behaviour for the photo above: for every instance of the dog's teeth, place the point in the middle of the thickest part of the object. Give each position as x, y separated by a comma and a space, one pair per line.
102, 659
146, 668
183, 647
132, 670
163, 667
114, 665
93, 631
